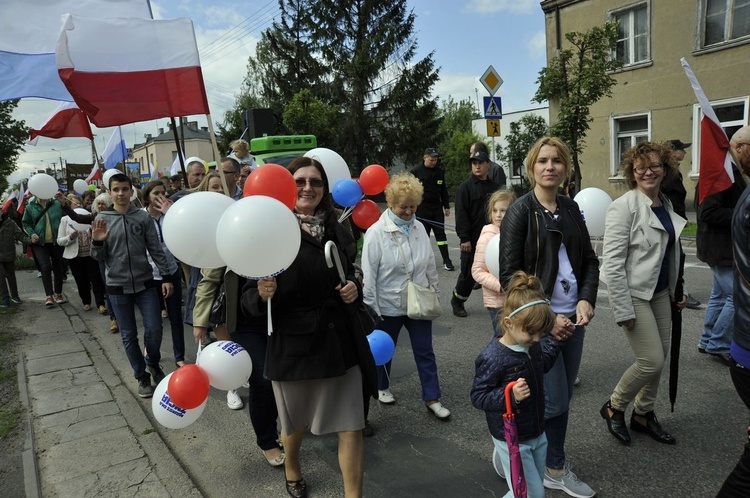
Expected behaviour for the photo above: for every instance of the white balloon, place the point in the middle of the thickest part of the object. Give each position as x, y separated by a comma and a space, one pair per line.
190, 228
43, 186
594, 203
333, 164
167, 413
108, 174
227, 364
80, 186
492, 256
80, 226
258, 236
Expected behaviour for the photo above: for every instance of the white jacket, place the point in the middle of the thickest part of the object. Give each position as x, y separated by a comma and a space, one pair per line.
385, 276
66, 228
635, 242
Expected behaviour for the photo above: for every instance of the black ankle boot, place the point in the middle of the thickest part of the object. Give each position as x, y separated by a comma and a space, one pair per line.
616, 422
458, 307
653, 428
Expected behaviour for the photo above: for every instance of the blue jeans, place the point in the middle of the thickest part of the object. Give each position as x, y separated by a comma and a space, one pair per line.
124, 305
420, 334
718, 328
558, 389
533, 452
262, 402
174, 312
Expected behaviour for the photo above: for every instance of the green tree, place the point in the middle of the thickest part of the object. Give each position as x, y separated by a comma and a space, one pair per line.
454, 138
522, 135
308, 115
576, 78
370, 47
13, 134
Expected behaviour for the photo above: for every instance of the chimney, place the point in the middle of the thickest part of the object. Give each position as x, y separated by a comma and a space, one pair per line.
147, 136
161, 131
193, 125
204, 128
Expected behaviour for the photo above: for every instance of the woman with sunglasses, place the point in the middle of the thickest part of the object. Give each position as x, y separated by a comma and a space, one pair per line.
640, 268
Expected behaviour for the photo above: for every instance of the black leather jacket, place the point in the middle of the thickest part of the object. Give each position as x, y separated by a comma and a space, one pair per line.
530, 240
740, 235
714, 237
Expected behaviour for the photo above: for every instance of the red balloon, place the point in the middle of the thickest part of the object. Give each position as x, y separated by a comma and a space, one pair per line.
373, 179
188, 386
365, 213
272, 180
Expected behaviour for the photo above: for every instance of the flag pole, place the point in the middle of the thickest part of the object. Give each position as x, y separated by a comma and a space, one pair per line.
217, 156
180, 151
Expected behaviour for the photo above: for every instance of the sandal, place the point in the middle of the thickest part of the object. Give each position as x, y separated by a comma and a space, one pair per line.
276, 461
86, 307
102, 310
296, 489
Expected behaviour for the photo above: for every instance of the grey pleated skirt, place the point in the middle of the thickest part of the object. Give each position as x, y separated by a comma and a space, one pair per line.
324, 405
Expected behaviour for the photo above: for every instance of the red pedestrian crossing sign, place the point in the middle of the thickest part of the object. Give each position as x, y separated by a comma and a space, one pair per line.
491, 80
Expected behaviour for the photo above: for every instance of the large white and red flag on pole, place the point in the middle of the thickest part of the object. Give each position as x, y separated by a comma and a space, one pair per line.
66, 121
28, 34
121, 71
95, 174
715, 163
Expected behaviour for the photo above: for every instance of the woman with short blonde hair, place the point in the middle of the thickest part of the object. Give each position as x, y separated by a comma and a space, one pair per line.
397, 249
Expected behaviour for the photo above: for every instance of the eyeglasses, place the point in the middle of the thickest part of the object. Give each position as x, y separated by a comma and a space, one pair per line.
655, 168
313, 182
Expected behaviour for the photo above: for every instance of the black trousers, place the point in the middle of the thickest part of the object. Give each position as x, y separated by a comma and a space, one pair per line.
86, 273
49, 257
737, 484
465, 282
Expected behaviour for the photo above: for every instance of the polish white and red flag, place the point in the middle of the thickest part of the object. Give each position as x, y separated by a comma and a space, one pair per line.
66, 121
715, 163
121, 71
95, 174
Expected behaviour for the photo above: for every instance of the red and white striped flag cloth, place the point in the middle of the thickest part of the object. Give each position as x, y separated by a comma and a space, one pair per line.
121, 71
715, 163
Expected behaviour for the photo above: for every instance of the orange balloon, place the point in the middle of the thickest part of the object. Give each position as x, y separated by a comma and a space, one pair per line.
272, 180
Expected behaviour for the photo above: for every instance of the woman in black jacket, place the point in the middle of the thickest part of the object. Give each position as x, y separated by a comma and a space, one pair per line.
544, 234
312, 357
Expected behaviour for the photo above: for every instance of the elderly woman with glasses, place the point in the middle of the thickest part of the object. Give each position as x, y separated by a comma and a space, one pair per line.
640, 268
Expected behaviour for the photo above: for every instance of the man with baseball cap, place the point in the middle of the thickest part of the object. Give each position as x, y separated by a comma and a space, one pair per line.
435, 204
471, 209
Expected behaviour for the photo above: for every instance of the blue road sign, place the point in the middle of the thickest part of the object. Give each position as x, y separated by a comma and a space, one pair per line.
493, 108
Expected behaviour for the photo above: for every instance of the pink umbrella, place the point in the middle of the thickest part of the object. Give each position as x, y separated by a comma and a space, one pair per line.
517, 479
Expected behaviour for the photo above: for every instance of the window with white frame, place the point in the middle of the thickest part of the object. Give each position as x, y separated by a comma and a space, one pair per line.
632, 34
725, 20
626, 132
732, 114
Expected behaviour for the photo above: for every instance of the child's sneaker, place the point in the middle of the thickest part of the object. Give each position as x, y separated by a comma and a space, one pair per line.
569, 483
60, 299
16, 299
5, 303
50, 301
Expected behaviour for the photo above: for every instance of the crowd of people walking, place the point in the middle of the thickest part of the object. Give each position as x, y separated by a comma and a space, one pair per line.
316, 374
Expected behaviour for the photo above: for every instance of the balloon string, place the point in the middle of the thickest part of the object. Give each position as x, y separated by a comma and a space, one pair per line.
348, 211
270, 323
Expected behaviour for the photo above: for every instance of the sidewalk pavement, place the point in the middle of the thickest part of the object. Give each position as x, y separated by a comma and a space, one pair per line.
89, 434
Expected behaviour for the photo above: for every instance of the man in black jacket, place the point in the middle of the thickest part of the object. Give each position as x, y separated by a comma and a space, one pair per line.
714, 247
435, 204
738, 482
471, 216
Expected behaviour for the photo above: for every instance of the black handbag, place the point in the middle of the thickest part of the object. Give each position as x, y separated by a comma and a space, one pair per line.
218, 313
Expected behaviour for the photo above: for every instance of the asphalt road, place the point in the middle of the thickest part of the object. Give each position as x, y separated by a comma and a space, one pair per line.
413, 454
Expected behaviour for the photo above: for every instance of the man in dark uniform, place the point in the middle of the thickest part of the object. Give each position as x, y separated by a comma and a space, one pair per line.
471, 216
435, 203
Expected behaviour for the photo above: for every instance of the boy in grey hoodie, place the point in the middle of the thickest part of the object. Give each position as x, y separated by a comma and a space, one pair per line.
121, 236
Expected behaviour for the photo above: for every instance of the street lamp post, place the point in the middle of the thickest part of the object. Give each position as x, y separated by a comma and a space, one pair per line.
61, 165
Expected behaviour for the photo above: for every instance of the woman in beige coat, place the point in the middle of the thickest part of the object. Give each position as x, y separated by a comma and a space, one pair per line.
640, 268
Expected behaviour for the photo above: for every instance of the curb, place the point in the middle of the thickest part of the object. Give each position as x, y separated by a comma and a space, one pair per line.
31, 481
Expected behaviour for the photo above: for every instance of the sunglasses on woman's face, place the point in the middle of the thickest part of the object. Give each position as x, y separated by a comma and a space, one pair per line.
313, 182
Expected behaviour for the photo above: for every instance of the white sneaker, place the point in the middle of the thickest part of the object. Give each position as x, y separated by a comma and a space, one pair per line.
234, 402
569, 483
439, 411
386, 397
246, 385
